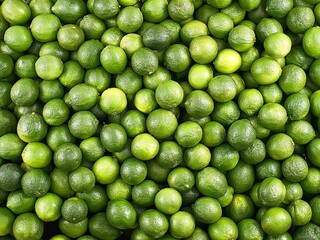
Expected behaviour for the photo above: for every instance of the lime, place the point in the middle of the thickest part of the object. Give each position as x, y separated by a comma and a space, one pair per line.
241, 38
227, 61
188, 134
156, 37
271, 192
242, 171
144, 146
113, 137
153, 223
223, 228
181, 179
133, 171
21, 8
35, 183
74, 209
241, 134
36, 155
99, 227
48, 207
168, 201
82, 179
222, 88
181, 224
280, 146
27, 226
177, 57
241, 207
207, 210
11, 175
83, 124
275, 221
211, 182
180, 10
121, 214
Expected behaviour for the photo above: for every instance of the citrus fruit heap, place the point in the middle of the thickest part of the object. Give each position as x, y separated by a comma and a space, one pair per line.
160, 119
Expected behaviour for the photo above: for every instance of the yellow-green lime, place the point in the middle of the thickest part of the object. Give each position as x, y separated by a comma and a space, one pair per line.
48, 207
27, 226
227, 61
36, 155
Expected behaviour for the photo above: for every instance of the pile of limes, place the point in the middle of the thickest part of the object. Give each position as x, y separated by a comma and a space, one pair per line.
160, 119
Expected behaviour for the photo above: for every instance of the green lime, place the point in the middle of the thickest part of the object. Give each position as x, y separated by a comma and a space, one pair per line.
24, 92
153, 223
11, 174
224, 157
7, 218
89, 54
308, 184
271, 192
35, 183
255, 153
73, 230
82, 179
181, 224
272, 116
20, 7
133, 171
99, 227
275, 221
92, 26
180, 10
96, 199
297, 106
222, 88
280, 146
207, 210
156, 37
168, 201
113, 59
60, 183
18, 202
300, 212
241, 134
83, 124
226, 113
169, 94
181, 179
144, 146
177, 57
74, 209
242, 171
268, 168
188, 134
241, 38
213, 134
197, 157
121, 214
161, 123
144, 193
113, 137
223, 228
105, 10
144, 61
67, 157
266, 70
241, 207
211, 182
